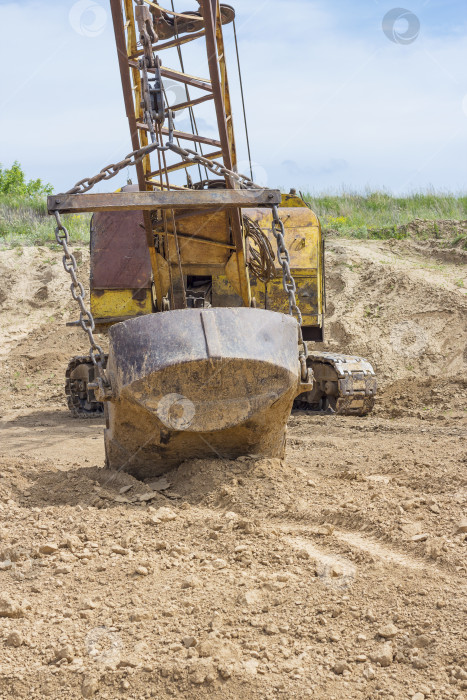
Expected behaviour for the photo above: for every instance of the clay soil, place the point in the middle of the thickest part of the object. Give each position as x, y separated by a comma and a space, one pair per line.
338, 573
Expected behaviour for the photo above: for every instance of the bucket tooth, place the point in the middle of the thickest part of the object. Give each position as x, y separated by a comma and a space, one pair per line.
199, 383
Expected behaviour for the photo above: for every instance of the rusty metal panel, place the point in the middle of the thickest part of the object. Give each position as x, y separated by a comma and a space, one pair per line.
157, 199
119, 252
213, 227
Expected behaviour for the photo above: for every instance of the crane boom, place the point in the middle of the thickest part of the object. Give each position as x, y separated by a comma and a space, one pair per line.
141, 56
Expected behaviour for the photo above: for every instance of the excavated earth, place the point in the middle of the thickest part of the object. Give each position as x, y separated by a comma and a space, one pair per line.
338, 573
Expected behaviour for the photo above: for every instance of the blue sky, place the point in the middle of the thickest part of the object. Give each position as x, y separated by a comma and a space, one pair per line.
331, 101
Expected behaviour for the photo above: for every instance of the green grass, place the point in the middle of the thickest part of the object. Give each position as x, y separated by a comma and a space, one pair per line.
24, 221
380, 215
23, 212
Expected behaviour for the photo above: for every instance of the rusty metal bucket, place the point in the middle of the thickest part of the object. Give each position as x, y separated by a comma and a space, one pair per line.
199, 383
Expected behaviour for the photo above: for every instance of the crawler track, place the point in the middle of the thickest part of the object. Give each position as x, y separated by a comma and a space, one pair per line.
81, 400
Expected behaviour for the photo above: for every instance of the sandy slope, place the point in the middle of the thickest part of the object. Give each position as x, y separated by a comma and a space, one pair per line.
338, 573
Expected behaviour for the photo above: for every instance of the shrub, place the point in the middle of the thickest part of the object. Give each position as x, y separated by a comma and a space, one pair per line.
13, 183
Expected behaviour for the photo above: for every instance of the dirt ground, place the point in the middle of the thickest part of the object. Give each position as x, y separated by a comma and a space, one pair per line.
338, 573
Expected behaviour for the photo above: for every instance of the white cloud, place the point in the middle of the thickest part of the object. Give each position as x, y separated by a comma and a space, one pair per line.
343, 105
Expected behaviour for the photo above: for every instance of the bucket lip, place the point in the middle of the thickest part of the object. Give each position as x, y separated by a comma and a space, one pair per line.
128, 384
221, 310
145, 345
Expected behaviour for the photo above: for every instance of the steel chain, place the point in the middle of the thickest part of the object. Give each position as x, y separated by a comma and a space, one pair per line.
136, 156
146, 103
113, 169
78, 293
288, 281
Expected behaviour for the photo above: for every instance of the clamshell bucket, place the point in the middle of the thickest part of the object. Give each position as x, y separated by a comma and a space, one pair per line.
199, 383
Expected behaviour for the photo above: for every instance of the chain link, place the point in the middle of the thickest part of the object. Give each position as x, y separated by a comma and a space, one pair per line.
288, 281
136, 156
214, 166
113, 169
78, 293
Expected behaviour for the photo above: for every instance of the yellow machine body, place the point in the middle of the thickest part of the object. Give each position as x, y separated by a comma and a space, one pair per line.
304, 241
115, 303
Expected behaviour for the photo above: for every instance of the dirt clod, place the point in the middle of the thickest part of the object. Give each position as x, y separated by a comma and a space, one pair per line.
388, 631
383, 655
89, 686
10, 607
14, 639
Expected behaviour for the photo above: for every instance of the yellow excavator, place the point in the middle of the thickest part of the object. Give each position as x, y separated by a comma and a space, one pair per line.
211, 289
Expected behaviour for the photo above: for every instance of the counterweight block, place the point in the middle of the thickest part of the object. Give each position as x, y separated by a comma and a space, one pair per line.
199, 383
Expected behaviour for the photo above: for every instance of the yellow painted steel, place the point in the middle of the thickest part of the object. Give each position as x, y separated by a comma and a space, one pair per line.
132, 45
225, 86
308, 296
209, 255
293, 200
112, 303
303, 238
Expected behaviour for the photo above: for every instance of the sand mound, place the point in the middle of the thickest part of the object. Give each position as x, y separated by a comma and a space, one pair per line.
400, 309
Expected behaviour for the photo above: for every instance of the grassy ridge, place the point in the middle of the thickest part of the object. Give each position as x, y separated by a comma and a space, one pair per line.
24, 221
23, 211
380, 215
